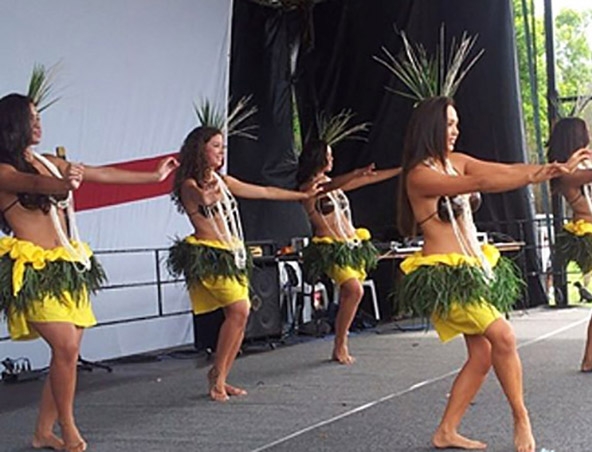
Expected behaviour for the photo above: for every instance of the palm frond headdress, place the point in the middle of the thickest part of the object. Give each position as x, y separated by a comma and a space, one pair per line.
42, 86
209, 115
427, 75
335, 128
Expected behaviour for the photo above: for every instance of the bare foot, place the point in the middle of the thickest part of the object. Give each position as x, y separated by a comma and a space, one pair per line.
217, 388
523, 439
47, 441
342, 356
73, 441
442, 440
234, 391
78, 447
586, 367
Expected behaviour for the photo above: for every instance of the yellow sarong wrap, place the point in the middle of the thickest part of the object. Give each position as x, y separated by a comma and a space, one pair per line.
578, 227
216, 291
343, 274
461, 319
48, 309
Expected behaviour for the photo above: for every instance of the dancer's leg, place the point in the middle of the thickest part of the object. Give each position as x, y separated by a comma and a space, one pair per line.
587, 360
64, 340
229, 339
508, 368
465, 387
350, 295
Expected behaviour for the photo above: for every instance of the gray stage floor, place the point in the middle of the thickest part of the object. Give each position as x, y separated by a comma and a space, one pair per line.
389, 400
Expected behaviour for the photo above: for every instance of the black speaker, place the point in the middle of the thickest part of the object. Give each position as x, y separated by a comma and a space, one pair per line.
265, 319
206, 328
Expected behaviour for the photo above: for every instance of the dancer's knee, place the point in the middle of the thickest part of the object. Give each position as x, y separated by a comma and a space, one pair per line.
237, 313
352, 290
66, 352
504, 341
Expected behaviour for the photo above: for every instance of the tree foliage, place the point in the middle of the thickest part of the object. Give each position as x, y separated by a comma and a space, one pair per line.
573, 70
573, 61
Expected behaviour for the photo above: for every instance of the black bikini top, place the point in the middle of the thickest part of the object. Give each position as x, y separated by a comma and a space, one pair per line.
456, 203
211, 210
325, 205
31, 202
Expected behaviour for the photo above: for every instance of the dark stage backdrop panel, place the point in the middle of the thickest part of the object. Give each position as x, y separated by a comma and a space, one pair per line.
260, 63
336, 70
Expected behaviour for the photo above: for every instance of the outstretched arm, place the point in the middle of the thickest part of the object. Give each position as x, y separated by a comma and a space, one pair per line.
360, 177
487, 177
482, 168
111, 175
14, 181
252, 191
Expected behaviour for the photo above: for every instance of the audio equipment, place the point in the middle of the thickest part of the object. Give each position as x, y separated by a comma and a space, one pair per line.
265, 319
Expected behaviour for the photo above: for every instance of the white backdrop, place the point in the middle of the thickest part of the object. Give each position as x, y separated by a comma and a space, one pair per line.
129, 73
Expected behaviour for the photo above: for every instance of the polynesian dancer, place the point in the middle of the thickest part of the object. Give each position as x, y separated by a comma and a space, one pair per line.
337, 250
46, 271
214, 260
458, 284
574, 242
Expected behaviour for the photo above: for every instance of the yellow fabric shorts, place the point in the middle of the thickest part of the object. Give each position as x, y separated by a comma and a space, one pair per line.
343, 274
461, 319
48, 310
468, 319
217, 292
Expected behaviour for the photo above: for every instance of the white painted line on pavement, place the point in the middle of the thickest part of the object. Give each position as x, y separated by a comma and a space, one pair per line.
403, 392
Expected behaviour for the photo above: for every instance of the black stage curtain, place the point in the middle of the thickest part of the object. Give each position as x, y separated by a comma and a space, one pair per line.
336, 70
260, 66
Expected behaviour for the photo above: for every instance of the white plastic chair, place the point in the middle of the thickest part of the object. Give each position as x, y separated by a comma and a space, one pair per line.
368, 283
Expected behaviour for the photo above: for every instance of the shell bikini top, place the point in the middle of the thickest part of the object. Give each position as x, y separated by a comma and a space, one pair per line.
325, 205
456, 202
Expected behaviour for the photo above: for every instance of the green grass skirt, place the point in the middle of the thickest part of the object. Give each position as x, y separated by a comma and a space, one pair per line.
320, 257
576, 248
431, 289
196, 262
53, 280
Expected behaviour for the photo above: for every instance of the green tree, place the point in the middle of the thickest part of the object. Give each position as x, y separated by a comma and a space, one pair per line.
573, 61
573, 53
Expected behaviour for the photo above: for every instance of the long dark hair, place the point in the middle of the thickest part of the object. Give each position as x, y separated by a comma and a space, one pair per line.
313, 158
568, 135
425, 138
192, 160
16, 135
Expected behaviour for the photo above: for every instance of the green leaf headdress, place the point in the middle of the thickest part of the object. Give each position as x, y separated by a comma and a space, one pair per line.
41, 86
333, 129
209, 115
427, 75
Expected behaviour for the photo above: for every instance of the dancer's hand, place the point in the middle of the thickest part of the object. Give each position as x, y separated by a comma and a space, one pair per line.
549, 171
209, 192
369, 170
165, 167
74, 175
315, 189
582, 155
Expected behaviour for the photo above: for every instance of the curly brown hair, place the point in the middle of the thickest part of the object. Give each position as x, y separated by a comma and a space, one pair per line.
192, 161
